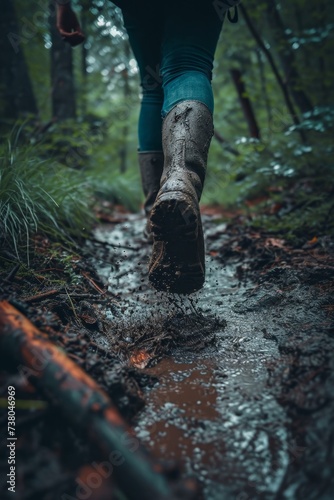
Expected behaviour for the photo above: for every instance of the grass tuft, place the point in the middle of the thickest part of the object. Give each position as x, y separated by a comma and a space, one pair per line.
39, 195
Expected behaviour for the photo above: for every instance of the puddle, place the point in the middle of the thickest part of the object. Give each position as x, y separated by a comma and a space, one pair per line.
216, 414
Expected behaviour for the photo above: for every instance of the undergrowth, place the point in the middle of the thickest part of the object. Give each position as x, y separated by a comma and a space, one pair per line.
39, 195
90, 147
282, 184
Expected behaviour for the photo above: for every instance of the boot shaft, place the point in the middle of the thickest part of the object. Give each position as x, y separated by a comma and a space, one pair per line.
186, 135
151, 167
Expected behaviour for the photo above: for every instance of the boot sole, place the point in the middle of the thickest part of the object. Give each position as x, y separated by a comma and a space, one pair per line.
177, 228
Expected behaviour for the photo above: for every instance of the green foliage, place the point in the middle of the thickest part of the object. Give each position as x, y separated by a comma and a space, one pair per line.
93, 146
70, 142
121, 189
39, 195
311, 215
294, 180
102, 143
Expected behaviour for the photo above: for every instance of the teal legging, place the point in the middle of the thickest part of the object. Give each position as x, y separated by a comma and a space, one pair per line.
174, 43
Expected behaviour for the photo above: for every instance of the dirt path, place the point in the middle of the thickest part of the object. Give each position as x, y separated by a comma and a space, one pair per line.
246, 399
234, 382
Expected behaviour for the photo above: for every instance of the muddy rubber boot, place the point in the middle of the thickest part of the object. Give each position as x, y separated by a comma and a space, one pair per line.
151, 165
177, 263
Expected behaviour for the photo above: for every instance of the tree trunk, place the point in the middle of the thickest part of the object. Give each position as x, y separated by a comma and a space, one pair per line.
286, 56
324, 82
274, 68
84, 56
264, 91
15, 83
246, 104
125, 130
62, 78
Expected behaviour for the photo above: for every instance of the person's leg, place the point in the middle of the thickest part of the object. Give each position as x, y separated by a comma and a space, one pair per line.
191, 33
144, 28
192, 29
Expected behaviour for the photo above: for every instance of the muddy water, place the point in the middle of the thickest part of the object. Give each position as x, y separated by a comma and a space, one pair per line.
251, 412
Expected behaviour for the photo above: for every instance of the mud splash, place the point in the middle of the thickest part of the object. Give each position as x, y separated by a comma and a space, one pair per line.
245, 393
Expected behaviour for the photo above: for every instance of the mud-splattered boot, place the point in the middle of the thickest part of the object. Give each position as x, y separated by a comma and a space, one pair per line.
151, 165
177, 262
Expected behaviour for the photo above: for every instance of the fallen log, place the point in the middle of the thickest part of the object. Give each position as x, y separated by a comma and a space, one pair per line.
85, 405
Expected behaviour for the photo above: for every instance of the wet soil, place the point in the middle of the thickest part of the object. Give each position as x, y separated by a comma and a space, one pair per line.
235, 383
244, 398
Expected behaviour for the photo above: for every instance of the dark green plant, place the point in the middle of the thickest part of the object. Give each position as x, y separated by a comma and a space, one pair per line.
38, 195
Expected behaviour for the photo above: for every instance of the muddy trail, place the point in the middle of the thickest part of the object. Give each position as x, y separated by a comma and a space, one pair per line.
235, 383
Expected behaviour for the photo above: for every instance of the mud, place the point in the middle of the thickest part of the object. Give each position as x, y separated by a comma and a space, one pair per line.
234, 383
244, 397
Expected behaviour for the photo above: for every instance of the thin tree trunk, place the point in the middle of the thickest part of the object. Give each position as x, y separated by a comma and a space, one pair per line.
125, 131
15, 83
245, 102
264, 92
281, 83
286, 56
325, 87
62, 78
84, 56
123, 152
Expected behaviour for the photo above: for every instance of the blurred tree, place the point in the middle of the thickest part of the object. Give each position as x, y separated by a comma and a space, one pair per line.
286, 55
268, 54
85, 19
16, 94
62, 76
245, 102
125, 129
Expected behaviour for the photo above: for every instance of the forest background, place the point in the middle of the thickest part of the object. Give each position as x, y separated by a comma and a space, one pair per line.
68, 119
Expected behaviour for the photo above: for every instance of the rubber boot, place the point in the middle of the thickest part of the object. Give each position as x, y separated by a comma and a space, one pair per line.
177, 263
151, 165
